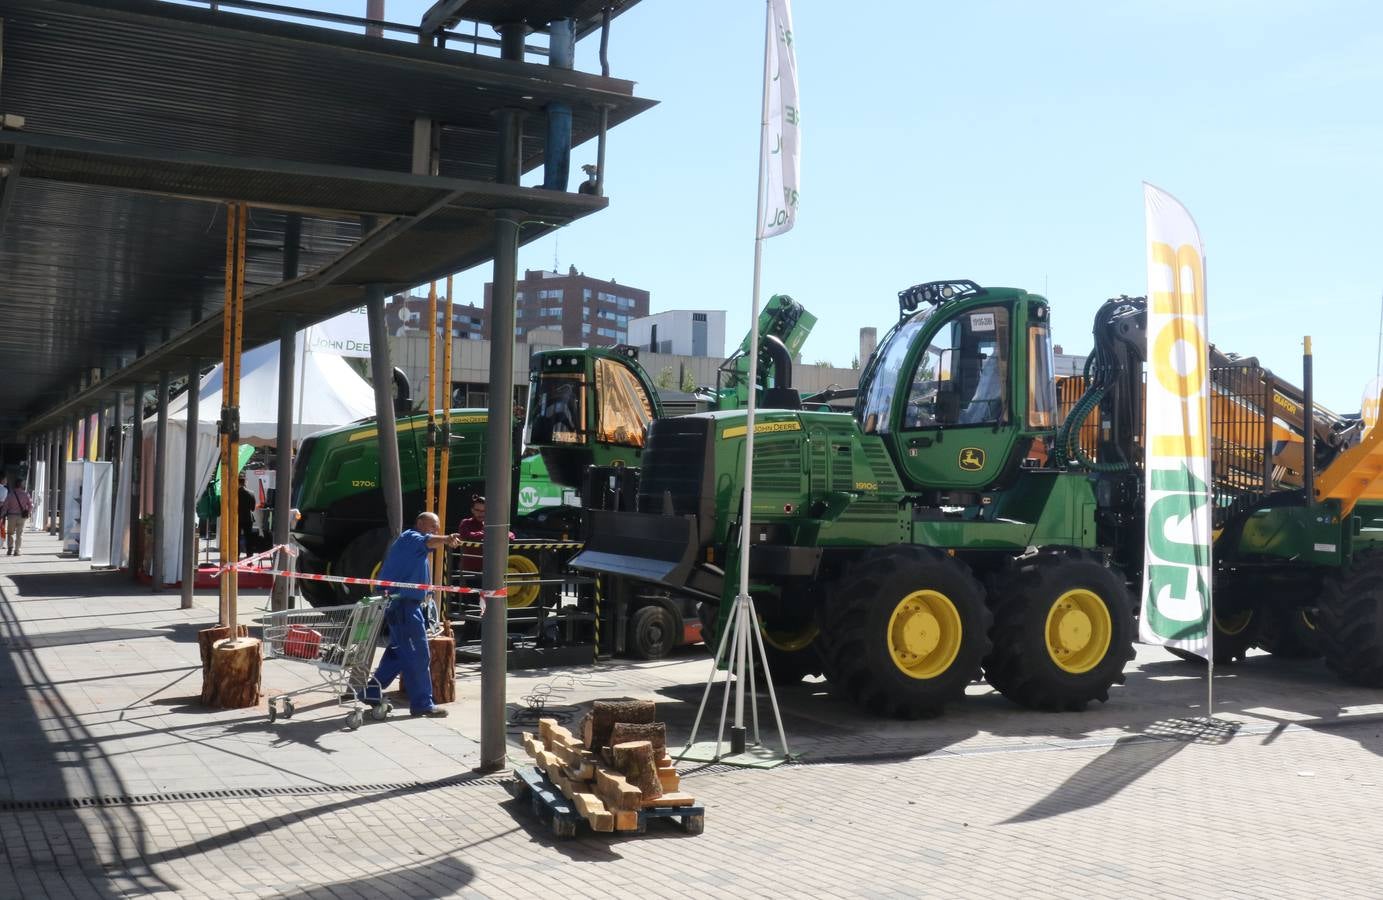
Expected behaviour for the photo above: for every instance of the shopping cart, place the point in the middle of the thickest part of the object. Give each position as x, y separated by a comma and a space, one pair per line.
340, 642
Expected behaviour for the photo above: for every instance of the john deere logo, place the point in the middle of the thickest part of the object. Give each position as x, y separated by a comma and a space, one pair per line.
972, 459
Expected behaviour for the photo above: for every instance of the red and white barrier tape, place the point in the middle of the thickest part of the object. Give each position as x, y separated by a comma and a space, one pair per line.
248, 565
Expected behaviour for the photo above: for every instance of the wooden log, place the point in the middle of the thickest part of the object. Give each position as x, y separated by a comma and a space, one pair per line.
676, 798
232, 681
616, 791
653, 732
626, 820
589, 805
207, 637
605, 714
634, 760
587, 725
442, 661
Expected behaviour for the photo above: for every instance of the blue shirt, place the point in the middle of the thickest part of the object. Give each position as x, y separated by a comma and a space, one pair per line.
407, 560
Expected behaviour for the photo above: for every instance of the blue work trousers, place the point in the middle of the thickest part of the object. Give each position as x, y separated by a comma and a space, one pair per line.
407, 656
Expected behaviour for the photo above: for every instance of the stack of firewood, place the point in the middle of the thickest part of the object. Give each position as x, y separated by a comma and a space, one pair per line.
617, 767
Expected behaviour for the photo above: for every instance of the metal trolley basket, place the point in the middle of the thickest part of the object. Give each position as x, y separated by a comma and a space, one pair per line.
340, 641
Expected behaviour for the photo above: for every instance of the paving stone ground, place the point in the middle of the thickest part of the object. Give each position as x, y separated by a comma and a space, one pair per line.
1285, 794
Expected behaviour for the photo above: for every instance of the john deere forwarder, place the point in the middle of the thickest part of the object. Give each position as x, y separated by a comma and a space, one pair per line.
939, 531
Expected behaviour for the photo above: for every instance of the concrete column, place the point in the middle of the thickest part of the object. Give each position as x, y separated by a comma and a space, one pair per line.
390, 480
189, 485
160, 478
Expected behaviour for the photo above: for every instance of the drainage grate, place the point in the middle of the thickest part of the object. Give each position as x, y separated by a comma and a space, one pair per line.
250, 793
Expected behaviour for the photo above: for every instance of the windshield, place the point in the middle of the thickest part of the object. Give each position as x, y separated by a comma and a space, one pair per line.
554, 410
882, 377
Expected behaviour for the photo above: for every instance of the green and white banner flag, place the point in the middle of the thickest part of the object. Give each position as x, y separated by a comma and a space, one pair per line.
1176, 608
781, 152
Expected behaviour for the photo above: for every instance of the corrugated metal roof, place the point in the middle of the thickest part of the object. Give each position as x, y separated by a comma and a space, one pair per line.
142, 117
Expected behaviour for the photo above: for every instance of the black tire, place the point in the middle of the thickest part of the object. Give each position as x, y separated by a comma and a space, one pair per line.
652, 632
361, 559
317, 593
1235, 632
861, 631
1291, 633
1023, 664
786, 666
1350, 623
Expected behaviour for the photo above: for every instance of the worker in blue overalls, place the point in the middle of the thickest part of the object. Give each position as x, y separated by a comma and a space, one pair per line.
409, 559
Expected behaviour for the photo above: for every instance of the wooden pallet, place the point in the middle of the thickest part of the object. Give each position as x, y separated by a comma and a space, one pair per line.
564, 818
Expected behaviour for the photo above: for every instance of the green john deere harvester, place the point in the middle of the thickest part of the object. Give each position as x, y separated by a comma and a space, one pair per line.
589, 413
932, 534
342, 525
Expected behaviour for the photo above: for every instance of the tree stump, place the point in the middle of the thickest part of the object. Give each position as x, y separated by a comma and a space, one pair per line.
655, 733
636, 762
442, 659
233, 679
606, 713
207, 637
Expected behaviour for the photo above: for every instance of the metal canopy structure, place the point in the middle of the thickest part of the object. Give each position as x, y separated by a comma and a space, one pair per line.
129, 124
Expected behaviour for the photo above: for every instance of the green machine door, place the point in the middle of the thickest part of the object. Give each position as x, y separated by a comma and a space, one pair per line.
943, 396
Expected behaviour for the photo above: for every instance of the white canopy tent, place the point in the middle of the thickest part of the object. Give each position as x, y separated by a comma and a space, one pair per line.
328, 392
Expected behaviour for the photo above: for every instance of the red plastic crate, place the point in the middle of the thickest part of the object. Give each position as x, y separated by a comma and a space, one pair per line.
302, 642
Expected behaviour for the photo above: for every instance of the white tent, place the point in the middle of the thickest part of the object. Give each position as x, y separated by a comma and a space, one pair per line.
327, 393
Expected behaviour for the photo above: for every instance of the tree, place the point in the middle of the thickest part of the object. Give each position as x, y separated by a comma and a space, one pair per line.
688, 383
665, 379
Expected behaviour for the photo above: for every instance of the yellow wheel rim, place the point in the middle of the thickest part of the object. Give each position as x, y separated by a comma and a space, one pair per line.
791, 642
1079, 631
522, 569
1233, 623
924, 634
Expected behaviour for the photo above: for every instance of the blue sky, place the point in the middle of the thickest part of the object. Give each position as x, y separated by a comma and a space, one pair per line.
1005, 142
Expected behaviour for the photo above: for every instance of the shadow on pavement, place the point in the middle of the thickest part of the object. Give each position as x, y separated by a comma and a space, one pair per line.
31, 689
440, 877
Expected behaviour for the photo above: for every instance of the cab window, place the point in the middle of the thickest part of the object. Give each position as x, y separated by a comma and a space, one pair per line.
877, 395
962, 378
1041, 383
624, 410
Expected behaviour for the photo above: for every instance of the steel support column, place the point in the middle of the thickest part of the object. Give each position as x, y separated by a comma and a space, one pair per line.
136, 481
189, 485
283, 451
499, 435
390, 480
160, 479
54, 449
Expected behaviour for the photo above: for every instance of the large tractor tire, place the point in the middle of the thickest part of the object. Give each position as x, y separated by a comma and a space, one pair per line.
791, 656
1291, 633
1235, 632
652, 632
521, 569
317, 593
1063, 630
362, 558
904, 631
1350, 623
